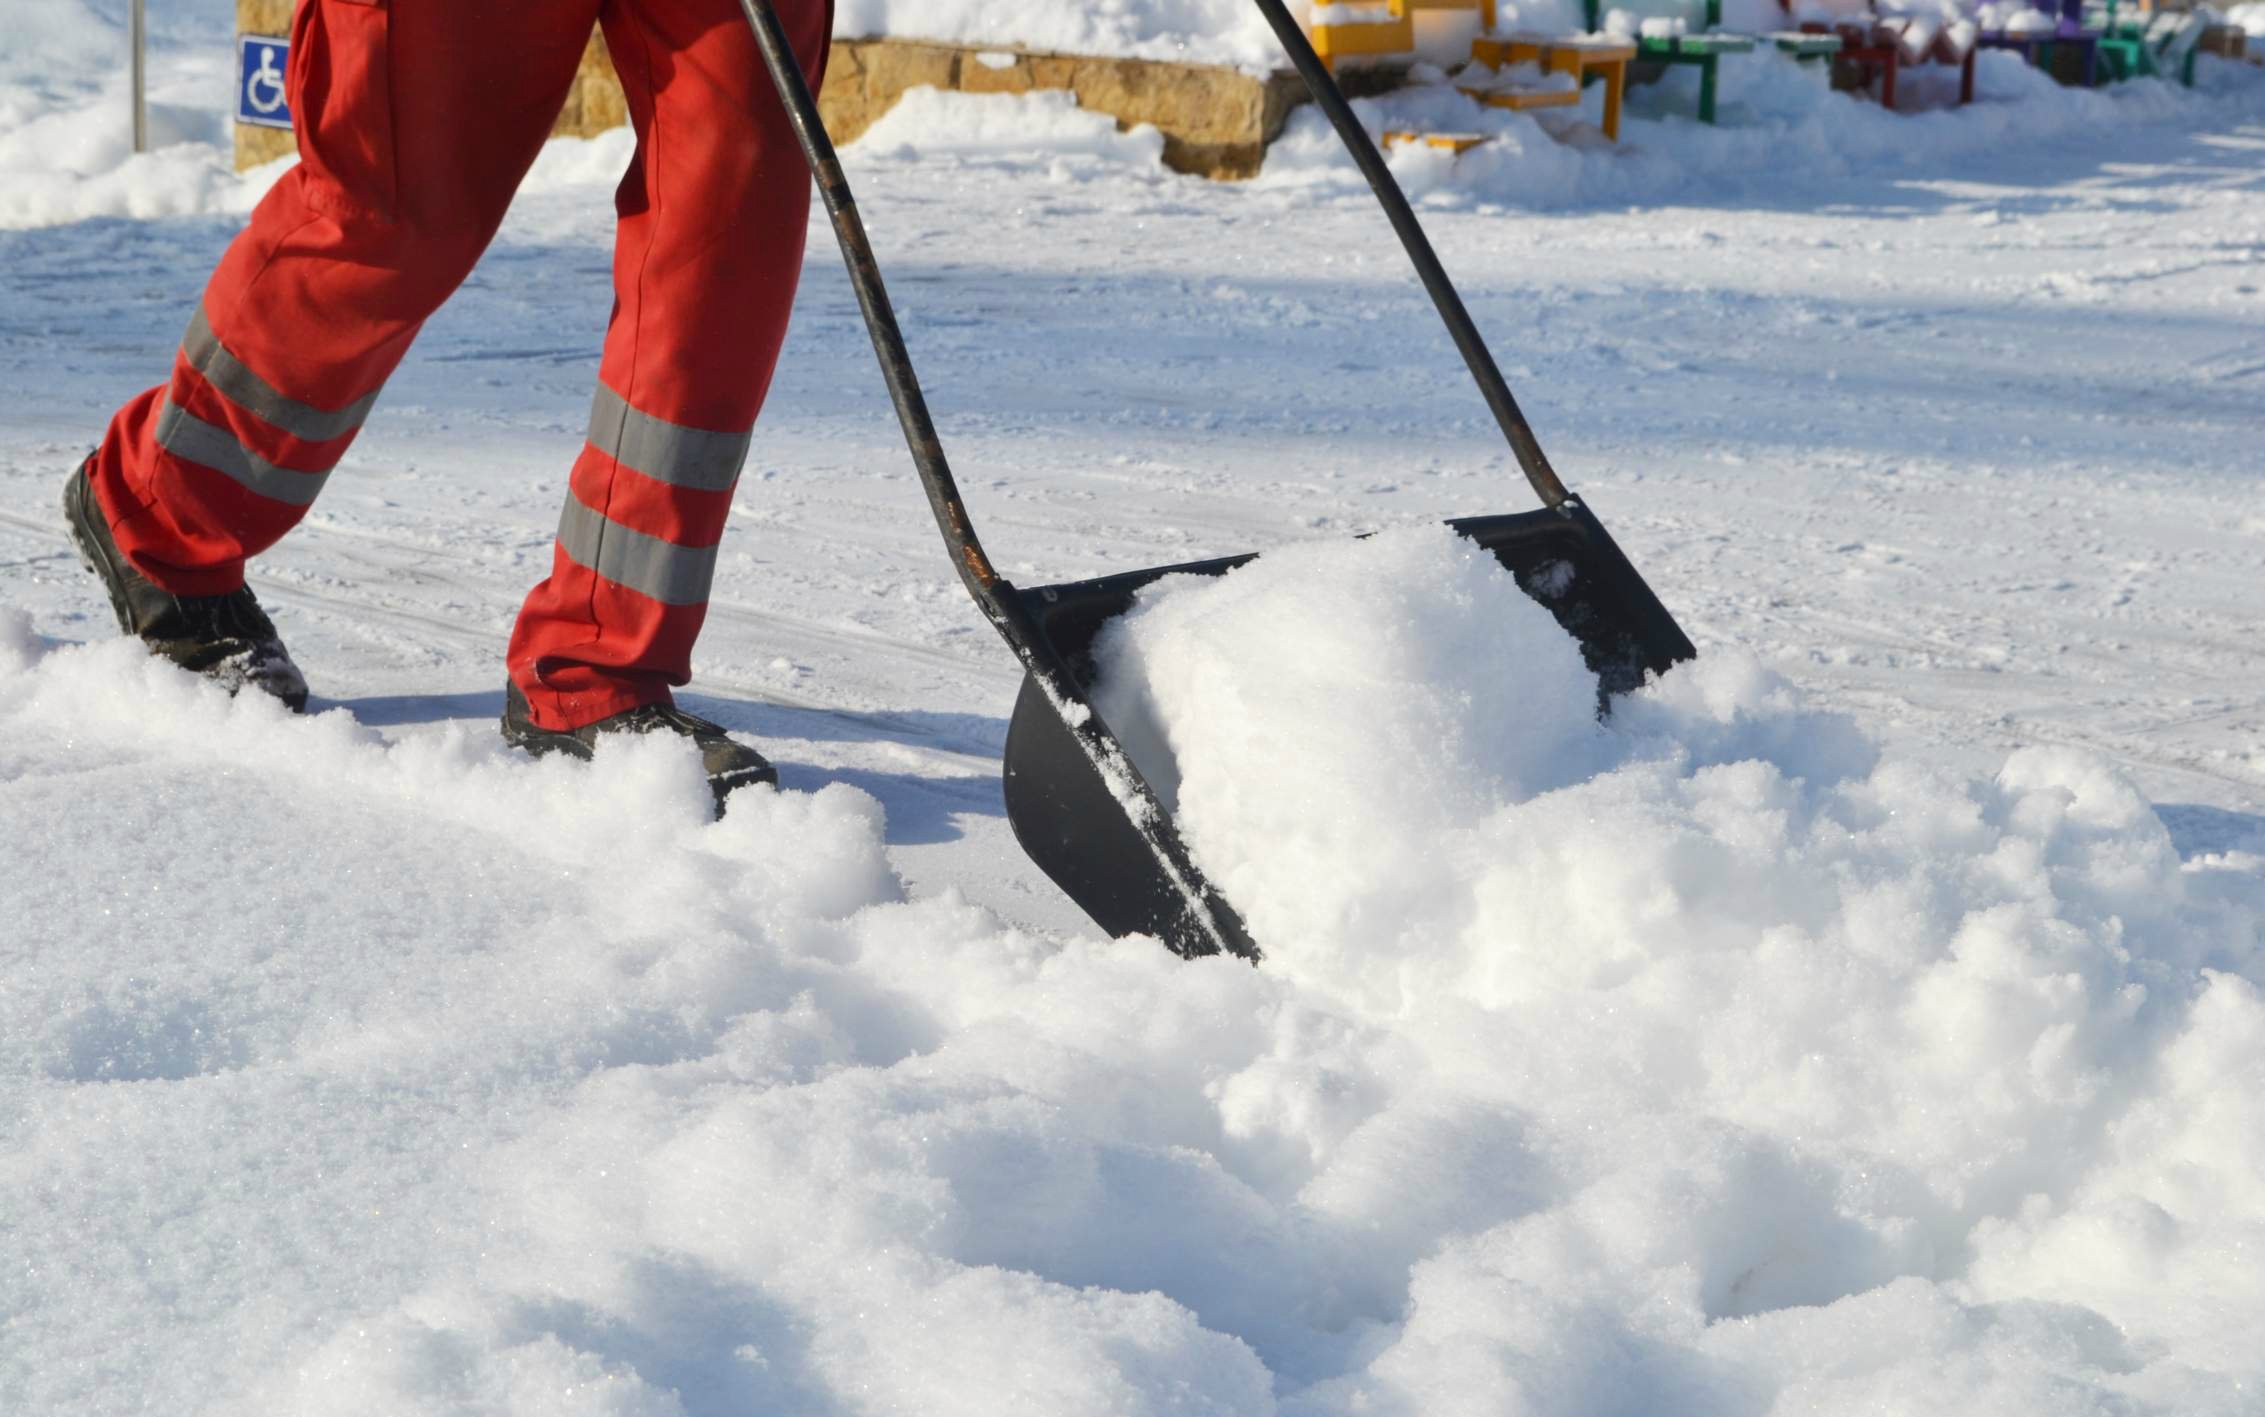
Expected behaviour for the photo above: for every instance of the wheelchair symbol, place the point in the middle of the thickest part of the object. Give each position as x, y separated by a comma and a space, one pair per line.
262, 96
264, 89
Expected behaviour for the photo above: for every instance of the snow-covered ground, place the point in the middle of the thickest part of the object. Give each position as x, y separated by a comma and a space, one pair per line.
1868, 1020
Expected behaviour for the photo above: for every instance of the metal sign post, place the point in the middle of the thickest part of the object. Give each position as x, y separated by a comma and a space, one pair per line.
135, 35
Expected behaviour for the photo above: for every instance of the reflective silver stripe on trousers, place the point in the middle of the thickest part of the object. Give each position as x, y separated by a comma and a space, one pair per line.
669, 573
187, 436
664, 451
259, 398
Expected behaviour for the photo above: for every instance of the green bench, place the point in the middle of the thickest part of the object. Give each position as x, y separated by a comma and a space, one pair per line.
1807, 46
2132, 49
1704, 50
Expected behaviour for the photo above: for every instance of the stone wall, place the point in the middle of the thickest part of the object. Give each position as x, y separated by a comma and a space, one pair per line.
595, 103
255, 145
1216, 121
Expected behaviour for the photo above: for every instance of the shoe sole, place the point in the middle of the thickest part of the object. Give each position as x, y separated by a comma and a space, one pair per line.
542, 742
539, 743
91, 554
752, 777
726, 785
720, 787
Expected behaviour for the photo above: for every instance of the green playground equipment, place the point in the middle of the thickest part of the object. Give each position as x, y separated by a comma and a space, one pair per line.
2157, 47
1704, 49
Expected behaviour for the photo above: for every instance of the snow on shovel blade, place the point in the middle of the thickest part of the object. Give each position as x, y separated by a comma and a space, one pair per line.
1078, 829
1078, 805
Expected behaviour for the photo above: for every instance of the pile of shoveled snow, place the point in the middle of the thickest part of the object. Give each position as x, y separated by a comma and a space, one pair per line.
980, 130
1776, 116
1953, 1092
1708, 1061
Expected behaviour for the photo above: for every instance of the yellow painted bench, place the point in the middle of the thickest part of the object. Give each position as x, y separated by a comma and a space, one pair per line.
1396, 35
1393, 32
1445, 142
1603, 58
1520, 100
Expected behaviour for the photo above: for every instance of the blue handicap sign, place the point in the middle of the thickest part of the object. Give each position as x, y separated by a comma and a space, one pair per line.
259, 81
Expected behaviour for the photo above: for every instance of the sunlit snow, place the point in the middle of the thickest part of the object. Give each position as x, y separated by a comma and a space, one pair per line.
1863, 1018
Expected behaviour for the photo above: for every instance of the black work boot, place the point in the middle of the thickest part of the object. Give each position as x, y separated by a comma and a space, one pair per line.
226, 638
730, 766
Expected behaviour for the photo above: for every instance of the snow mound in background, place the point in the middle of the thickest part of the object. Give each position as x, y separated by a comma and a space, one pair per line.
1709, 1061
1196, 31
1009, 129
65, 128
1777, 116
66, 119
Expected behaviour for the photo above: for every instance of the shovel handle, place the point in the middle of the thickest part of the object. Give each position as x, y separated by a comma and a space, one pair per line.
975, 569
1331, 99
1208, 924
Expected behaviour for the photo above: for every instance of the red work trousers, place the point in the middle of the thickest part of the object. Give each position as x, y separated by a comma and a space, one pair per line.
416, 121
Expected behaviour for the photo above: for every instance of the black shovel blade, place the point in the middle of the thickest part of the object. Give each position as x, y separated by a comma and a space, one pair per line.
1075, 828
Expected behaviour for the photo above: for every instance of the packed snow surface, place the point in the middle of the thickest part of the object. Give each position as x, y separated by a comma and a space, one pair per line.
1863, 1018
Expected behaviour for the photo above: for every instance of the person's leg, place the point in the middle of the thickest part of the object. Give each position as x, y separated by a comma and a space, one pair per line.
416, 120
706, 257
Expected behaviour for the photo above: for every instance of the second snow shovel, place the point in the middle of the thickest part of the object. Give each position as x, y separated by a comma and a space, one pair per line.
1077, 804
